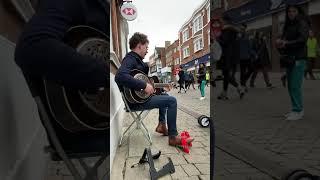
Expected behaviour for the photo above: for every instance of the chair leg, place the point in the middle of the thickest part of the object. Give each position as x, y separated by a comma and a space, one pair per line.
137, 118
146, 133
123, 134
92, 172
55, 140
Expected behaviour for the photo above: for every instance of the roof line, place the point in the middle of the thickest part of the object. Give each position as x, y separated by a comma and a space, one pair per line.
193, 14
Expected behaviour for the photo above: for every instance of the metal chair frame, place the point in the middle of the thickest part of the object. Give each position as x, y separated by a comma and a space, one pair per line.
138, 117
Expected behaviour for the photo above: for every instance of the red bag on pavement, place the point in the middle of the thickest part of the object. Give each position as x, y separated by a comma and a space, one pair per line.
185, 146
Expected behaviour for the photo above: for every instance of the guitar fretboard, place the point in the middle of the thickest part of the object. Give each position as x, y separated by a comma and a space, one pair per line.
161, 85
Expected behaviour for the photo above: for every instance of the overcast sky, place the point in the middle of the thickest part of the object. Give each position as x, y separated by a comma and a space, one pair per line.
161, 20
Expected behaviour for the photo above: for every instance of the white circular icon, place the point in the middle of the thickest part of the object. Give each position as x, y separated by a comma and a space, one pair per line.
129, 11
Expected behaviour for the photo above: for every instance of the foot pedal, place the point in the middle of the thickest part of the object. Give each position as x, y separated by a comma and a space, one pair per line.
147, 157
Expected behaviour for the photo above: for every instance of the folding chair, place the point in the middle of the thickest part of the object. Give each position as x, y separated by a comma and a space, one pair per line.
138, 117
87, 147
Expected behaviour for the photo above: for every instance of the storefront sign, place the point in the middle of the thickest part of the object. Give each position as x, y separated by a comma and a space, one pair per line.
256, 8
204, 59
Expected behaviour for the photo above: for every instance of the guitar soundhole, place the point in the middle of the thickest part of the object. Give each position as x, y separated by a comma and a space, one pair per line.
142, 94
97, 48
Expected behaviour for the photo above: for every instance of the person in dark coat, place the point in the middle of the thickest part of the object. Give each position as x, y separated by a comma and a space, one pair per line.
191, 77
262, 61
166, 104
230, 56
293, 49
246, 54
182, 80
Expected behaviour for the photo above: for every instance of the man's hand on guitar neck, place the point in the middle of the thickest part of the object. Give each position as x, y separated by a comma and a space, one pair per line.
168, 88
149, 89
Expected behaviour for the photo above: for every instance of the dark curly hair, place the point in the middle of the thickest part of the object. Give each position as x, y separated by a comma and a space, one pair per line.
136, 39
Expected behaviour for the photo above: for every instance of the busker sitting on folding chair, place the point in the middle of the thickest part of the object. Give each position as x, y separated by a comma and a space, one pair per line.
167, 104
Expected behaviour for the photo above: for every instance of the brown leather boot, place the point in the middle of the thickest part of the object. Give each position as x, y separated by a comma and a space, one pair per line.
162, 129
176, 140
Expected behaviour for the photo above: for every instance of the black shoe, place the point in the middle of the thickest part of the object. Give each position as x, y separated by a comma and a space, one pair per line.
223, 97
269, 86
241, 93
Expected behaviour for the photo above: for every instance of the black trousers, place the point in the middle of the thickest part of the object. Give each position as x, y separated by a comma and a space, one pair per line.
246, 69
229, 77
310, 66
181, 84
264, 70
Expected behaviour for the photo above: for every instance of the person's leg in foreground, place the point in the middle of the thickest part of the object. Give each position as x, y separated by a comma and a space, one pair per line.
202, 87
295, 77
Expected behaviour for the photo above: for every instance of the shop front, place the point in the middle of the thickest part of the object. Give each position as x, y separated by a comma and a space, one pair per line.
263, 16
193, 65
166, 75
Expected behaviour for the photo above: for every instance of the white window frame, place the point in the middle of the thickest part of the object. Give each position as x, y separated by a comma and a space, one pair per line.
196, 42
186, 53
208, 14
185, 35
208, 38
197, 27
177, 61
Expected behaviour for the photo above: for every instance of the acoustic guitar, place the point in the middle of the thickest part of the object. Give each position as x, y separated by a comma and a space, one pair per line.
140, 96
80, 110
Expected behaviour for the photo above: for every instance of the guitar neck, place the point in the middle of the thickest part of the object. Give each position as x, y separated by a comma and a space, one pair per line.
161, 85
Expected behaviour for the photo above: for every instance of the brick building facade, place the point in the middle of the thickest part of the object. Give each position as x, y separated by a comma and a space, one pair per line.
172, 58
194, 38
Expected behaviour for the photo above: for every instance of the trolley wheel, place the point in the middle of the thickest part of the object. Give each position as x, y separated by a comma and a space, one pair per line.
204, 121
299, 175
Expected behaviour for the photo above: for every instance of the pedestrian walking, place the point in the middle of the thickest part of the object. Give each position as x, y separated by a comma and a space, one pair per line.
246, 55
230, 57
207, 78
202, 80
293, 49
187, 81
182, 80
191, 77
312, 45
263, 60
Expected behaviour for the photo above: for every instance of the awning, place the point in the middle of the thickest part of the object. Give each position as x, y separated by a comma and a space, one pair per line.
197, 61
165, 70
191, 69
258, 8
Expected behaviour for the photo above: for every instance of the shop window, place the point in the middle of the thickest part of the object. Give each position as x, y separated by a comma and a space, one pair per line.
185, 35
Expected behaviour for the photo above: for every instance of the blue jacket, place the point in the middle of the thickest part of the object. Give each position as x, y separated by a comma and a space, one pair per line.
123, 77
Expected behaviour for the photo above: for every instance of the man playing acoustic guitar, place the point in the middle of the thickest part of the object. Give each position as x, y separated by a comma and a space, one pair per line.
167, 104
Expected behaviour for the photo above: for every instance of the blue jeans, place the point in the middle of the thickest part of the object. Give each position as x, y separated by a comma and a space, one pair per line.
167, 108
